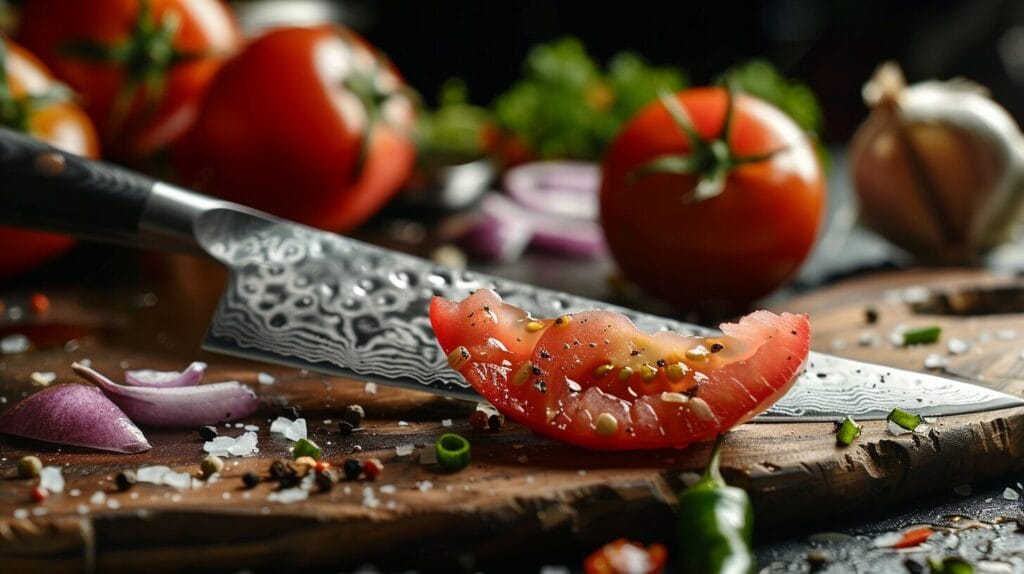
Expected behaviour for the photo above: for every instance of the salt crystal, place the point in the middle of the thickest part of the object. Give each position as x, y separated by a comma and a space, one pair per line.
388, 489
935, 361
529, 479
265, 379
867, 340
958, 346
1006, 334
226, 495
3, 400
292, 430
288, 495
370, 388
328, 421
428, 455
424, 485
85, 362
74, 492
82, 509
134, 495
16, 313
12, 344
113, 504
392, 505
347, 490
243, 445
581, 472
176, 498
98, 497
51, 479
446, 423
404, 449
403, 424
370, 499
1011, 494
21, 513
40, 511
125, 364
252, 428
72, 346
523, 459
43, 379
239, 425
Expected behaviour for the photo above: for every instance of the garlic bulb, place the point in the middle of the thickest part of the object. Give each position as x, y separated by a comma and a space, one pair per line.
938, 167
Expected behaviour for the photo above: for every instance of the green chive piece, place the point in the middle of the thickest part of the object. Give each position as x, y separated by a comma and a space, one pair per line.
922, 335
306, 447
950, 565
847, 431
905, 420
452, 451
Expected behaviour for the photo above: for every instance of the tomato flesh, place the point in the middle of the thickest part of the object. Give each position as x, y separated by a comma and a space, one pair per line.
595, 380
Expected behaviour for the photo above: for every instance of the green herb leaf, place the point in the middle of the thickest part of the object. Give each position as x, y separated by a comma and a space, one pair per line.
950, 565
452, 451
922, 335
306, 447
456, 127
905, 420
759, 78
848, 430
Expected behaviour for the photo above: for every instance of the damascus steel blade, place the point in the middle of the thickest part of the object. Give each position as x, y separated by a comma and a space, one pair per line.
314, 300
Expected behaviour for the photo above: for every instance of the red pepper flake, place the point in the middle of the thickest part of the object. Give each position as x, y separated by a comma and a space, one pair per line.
372, 468
914, 537
39, 303
39, 494
321, 466
478, 420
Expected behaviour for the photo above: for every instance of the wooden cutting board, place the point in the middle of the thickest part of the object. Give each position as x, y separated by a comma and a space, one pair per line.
523, 497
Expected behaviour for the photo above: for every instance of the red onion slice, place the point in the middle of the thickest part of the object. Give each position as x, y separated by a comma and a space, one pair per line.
177, 406
191, 376
75, 415
565, 188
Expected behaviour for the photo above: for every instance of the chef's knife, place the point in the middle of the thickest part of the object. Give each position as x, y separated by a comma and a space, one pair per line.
314, 300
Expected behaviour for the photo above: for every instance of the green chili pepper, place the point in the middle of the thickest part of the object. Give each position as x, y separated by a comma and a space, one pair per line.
904, 419
306, 447
922, 335
847, 431
716, 523
950, 565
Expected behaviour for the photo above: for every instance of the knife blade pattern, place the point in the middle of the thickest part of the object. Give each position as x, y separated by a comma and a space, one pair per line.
335, 304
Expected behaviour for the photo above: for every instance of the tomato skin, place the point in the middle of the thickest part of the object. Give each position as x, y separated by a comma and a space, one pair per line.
550, 374
207, 33
281, 131
733, 248
61, 124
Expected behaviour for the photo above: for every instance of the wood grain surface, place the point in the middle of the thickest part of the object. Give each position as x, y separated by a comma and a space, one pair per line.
523, 496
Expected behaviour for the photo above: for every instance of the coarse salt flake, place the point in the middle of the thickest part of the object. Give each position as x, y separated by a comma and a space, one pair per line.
403, 423
958, 346
388, 489
243, 445
51, 479
288, 495
935, 361
404, 449
12, 344
265, 379
292, 430
43, 379
98, 497
1011, 494
446, 423
21, 513
370, 388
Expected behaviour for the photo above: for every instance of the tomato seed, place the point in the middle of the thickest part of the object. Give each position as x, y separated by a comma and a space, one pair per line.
676, 371
698, 353
522, 374
534, 326
603, 370
606, 424
458, 358
625, 373
563, 320
648, 372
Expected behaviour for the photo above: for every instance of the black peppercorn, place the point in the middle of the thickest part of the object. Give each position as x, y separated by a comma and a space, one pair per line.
345, 428
250, 479
352, 468
125, 479
325, 480
354, 415
278, 470
208, 433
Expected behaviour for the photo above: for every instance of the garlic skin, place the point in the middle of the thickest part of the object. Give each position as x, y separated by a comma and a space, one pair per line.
938, 167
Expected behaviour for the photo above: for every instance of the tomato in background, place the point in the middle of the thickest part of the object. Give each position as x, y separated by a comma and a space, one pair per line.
31, 101
736, 237
310, 124
140, 67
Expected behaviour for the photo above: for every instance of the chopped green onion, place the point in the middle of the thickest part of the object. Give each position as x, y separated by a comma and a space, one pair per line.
922, 335
950, 565
306, 447
905, 420
452, 451
847, 431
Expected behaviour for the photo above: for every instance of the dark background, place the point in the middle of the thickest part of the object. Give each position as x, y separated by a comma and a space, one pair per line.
832, 45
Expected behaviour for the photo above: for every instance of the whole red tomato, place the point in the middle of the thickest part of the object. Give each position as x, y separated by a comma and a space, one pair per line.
139, 66
31, 101
311, 124
723, 214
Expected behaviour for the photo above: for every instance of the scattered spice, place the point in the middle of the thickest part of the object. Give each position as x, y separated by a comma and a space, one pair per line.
847, 431
29, 466
39, 303
125, 480
305, 447
325, 480
39, 494
352, 468
250, 479
914, 537
278, 470
354, 415
208, 433
478, 421
345, 428
302, 465
211, 465
870, 315
372, 468
922, 335
495, 422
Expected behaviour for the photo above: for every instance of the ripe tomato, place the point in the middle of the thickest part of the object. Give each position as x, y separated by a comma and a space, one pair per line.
311, 124
733, 247
140, 66
624, 557
593, 379
31, 101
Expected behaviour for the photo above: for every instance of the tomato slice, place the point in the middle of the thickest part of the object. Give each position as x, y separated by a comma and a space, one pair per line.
593, 379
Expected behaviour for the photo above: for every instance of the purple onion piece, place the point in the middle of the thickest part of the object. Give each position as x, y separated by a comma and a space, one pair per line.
179, 407
566, 188
191, 376
568, 237
74, 415
500, 231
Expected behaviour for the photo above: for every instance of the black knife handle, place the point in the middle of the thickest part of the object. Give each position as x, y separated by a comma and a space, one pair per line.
45, 188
